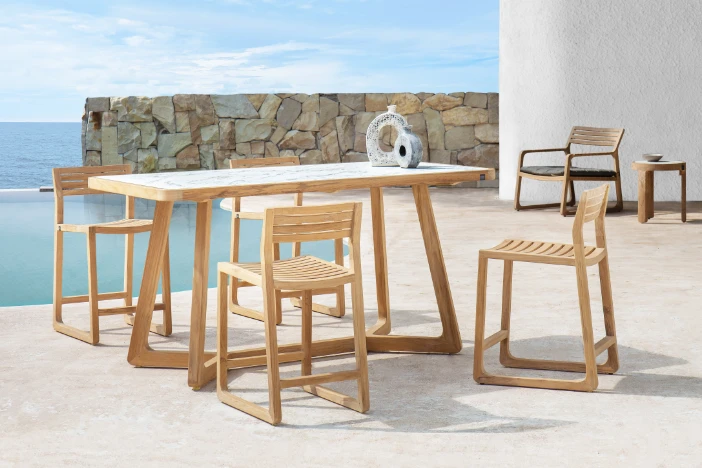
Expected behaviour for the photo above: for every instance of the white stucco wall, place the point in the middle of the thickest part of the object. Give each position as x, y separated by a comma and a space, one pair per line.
635, 64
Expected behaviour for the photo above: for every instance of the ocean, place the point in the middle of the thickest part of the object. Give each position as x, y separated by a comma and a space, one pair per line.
29, 150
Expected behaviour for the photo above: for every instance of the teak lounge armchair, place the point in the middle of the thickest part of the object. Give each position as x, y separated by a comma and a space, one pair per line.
238, 215
568, 174
592, 207
74, 181
304, 274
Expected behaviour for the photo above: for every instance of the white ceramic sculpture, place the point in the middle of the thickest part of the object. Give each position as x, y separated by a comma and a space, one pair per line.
408, 148
377, 156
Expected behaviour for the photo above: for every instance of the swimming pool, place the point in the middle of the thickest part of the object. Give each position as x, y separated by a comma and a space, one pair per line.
26, 245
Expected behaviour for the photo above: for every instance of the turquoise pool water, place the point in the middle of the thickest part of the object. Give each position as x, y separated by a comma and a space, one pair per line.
26, 245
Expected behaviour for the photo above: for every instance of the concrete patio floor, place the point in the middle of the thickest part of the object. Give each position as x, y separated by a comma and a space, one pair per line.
63, 402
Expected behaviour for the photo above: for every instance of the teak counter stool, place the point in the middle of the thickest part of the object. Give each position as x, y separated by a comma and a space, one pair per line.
237, 215
305, 274
567, 173
592, 208
74, 181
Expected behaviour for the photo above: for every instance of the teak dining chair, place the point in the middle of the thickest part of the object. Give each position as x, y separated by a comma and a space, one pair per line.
305, 274
568, 174
238, 215
592, 208
71, 181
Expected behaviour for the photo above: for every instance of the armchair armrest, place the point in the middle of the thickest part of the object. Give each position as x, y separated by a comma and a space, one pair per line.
545, 150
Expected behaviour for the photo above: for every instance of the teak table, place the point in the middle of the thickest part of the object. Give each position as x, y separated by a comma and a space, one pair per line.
204, 186
646, 170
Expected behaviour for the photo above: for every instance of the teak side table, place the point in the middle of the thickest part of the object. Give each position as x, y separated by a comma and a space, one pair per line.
646, 170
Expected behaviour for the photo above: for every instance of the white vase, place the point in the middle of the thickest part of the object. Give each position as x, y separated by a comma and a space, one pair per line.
408, 148
377, 156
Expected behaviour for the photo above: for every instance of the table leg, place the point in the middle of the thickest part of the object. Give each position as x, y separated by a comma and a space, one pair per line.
382, 327
683, 195
450, 339
198, 374
649, 194
642, 197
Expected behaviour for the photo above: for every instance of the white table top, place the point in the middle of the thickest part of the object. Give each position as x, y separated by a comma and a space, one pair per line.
223, 183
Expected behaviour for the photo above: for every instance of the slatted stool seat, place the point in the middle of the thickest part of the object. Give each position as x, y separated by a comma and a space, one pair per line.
592, 207
74, 181
238, 215
302, 275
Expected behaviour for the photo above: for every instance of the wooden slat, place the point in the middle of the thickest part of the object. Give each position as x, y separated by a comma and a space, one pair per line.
318, 379
602, 345
84, 298
495, 338
125, 309
314, 218
310, 228
315, 236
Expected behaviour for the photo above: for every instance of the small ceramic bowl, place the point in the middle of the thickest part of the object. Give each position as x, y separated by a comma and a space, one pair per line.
653, 157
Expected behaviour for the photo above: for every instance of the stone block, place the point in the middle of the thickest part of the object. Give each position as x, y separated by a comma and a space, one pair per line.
328, 110
355, 157
287, 153
355, 102
417, 122
166, 164
288, 112
132, 108
93, 139
442, 102
478, 100
307, 121
300, 97
311, 104
184, 102
407, 103
131, 155
227, 134
435, 129
256, 100
440, 156
210, 134
359, 143
109, 119
327, 128
170, 144
423, 96
257, 148
278, 135
363, 120
330, 148
97, 104
346, 133
459, 95
376, 102
182, 122
148, 160
222, 158
480, 156
202, 116
458, 138
346, 110
110, 154
493, 108
249, 130
311, 157
188, 158
128, 137
163, 111
488, 133
92, 158
148, 134
296, 139
244, 149
271, 150
270, 105
234, 106
464, 116
206, 157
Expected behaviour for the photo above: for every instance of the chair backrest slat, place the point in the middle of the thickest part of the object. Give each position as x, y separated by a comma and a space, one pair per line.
309, 223
74, 180
592, 207
591, 136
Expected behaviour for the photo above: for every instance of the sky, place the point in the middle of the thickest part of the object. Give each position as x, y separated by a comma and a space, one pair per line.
55, 54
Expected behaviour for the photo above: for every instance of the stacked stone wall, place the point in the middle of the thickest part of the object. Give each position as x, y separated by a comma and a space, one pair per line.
201, 131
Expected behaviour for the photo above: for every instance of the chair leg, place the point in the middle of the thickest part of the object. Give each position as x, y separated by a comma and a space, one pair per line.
505, 354
590, 381
278, 299
272, 414
58, 279
564, 196
620, 198
571, 200
128, 268
517, 193
612, 364
93, 289
340, 295
480, 308
359, 336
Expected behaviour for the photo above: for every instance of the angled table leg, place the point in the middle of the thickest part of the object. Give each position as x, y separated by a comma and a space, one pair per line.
450, 339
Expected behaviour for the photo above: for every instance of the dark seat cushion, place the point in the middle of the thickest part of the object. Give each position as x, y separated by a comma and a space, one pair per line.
574, 171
